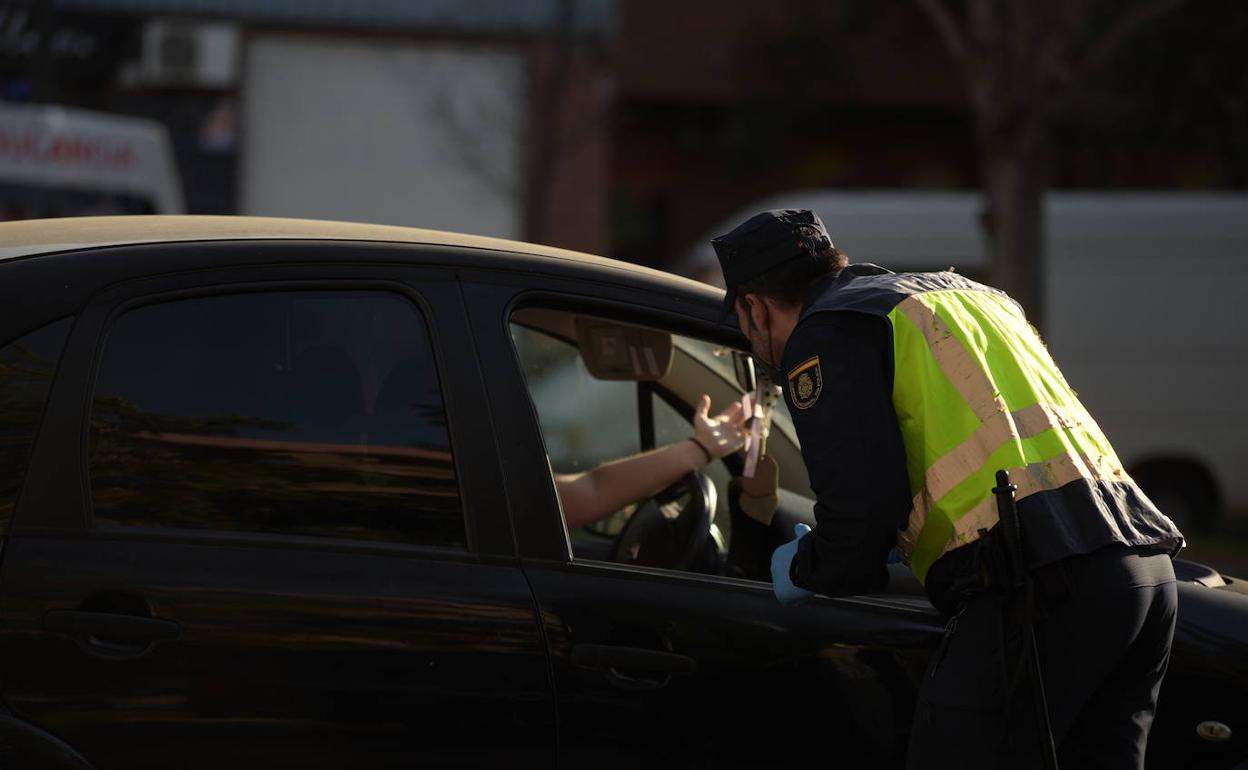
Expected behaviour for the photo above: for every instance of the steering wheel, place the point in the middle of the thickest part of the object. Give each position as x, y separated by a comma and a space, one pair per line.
671, 529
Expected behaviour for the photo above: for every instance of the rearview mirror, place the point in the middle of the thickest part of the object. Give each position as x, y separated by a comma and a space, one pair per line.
616, 351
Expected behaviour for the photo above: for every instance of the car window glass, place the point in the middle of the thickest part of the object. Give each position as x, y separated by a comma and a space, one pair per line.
585, 422
27, 366
308, 413
716, 357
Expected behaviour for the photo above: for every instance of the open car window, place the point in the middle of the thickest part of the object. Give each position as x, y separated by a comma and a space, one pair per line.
587, 421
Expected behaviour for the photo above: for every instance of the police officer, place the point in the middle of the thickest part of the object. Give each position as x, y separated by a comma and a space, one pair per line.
908, 391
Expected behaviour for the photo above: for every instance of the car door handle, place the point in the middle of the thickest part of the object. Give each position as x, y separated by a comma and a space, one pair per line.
609, 656
633, 668
107, 625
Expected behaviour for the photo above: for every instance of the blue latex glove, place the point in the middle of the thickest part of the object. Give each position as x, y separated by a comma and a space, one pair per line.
787, 593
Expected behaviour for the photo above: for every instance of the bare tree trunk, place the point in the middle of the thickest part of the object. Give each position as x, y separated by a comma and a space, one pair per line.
552, 64
1020, 62
1014, 219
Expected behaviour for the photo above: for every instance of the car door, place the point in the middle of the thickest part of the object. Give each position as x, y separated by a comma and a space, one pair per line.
262, 525
662, 668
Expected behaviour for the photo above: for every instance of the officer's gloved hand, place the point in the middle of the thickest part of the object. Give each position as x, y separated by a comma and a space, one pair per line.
787, 593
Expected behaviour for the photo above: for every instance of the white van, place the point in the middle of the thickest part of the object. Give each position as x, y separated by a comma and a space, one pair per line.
1144, 312
57, 161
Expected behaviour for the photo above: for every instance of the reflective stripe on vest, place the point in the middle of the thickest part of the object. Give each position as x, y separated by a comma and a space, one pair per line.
975, 390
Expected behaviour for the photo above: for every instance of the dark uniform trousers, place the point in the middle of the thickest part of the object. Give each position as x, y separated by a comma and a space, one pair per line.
1104, 624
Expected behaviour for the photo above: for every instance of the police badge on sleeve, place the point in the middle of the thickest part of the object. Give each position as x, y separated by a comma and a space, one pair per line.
805, 383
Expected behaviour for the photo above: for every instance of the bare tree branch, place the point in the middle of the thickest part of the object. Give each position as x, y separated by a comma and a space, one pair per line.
947, 27
1064, 79
1118, 32
1052, 61
970, 51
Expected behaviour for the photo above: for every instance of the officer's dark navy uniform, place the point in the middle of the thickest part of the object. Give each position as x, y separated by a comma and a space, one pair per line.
907, 392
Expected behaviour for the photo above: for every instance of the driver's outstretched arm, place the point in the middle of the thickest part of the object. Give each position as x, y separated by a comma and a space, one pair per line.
592, 495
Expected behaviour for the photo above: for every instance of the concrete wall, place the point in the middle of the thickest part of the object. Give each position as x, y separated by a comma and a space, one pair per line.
371, 129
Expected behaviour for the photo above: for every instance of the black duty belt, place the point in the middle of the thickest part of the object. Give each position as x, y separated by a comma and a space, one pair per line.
981, 568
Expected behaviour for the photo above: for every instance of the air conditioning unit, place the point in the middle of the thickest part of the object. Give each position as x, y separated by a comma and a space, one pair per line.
189, 53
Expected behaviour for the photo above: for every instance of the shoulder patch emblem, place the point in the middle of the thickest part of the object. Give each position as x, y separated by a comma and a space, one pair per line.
805, 383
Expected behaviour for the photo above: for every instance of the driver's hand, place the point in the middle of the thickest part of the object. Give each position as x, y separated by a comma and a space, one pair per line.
722, 434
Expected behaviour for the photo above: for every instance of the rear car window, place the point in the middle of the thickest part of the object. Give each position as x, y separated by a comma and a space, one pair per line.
308, 413
27, 366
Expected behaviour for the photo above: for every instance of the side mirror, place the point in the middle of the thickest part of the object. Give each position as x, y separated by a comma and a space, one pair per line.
616, 351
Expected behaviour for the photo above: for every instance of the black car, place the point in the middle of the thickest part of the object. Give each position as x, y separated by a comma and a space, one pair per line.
281, 493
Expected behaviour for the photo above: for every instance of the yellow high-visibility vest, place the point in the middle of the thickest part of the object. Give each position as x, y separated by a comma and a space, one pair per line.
975, 391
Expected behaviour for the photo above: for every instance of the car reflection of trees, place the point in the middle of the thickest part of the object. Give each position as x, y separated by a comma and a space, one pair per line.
25, 378
158, 470
267, 621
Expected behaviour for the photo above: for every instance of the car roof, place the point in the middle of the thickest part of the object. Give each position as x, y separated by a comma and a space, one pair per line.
47, 236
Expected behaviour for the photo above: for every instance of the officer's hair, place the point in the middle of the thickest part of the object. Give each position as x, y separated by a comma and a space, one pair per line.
789, 281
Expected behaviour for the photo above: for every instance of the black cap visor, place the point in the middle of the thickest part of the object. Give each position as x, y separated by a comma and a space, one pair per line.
730, 305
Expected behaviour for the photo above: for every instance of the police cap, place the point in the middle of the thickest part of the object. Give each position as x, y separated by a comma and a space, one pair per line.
764, 241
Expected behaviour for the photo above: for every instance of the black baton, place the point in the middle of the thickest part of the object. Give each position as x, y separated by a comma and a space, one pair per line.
1013, 531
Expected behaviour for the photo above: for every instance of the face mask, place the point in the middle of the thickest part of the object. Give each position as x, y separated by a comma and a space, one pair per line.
769, 368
